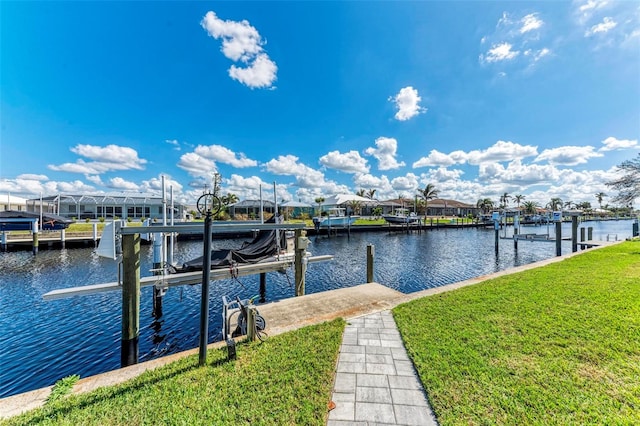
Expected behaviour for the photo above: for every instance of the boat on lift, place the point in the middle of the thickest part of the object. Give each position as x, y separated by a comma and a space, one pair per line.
336, 218
401, 216
16, 220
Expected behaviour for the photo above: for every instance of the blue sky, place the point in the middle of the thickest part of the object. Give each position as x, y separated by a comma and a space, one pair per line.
479, 98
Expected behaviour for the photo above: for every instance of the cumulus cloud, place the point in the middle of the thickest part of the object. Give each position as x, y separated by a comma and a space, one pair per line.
613, 144
241, 42
499, 52
409, 182
437, 158
501, 151
385, 152
196, 165
407, 102
517, 173
29, 188
119, 183
568, 155
31, 176
154, 185
109, 158
349, 162
224, 155
306, 177
607, 24
530, 22
516, 42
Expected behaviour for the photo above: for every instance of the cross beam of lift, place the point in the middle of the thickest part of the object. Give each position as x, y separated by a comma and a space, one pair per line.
185, 278
279, 263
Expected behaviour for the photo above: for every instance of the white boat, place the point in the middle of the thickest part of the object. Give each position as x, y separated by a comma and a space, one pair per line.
401, 215
336, 217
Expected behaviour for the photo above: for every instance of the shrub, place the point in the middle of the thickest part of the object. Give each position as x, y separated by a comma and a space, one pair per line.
101, 219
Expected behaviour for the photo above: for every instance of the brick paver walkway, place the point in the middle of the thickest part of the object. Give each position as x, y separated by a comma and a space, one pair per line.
376, 383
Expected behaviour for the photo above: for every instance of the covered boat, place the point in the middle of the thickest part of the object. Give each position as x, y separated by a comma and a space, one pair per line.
16, 220
266, 245
401, 215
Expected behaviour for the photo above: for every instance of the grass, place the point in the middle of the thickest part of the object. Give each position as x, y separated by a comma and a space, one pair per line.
286, 380
555, 345
62, 388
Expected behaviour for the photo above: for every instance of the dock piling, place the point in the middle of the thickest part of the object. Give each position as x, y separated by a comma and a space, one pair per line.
299, 264
130, 299
370, 256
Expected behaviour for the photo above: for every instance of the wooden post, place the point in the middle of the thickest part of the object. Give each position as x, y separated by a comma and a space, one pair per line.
590, 233
574, 234
94, 227
34, 229
370, 256
558, 238
298, 262
263, 286
496, 231
3, 240
516, 228
130, 299
251, 323
62, 237
157, 266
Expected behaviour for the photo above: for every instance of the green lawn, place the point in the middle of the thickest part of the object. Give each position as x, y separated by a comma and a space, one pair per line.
555, 345
286, 380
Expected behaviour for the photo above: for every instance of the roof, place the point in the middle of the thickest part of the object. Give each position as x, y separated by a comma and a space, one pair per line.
450, 204
252, 203
340, 199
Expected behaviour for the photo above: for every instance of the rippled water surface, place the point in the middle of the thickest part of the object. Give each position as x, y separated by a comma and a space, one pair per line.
43, 341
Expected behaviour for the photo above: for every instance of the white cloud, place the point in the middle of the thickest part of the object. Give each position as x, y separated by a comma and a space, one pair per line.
530, 23
568, 155
536, 55
119, 183
31, 176
501, 151
515, 43
381, 184
196, 165
225, 155
260, 73
349, 162
516, 173
409, 182
306, 177
174, 143
385, 153
95, 179
154, 185
611, 144
30, 188
442, 174
437, 158
603, 27
109, 158
499, 52
407, 101
242, 42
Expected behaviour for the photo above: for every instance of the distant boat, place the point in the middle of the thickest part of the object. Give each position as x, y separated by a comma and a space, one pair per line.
401, 215
336, 217
13, 222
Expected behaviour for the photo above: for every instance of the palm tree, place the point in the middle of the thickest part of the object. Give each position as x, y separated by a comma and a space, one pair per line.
355, 206
568, 205
371, 193
485, 205
530, 207
428, 193
518, 198
229, 199
319, 201
555, 203
360, 192
600, 196
504, 200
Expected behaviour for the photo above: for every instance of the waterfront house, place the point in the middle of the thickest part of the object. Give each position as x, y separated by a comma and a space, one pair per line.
121, 205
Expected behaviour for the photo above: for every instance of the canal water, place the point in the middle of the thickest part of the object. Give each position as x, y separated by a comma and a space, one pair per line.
43, 341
